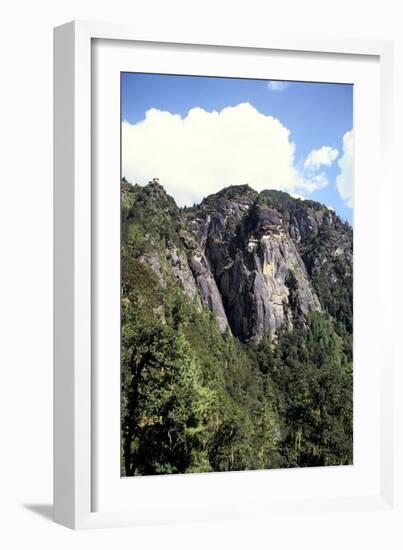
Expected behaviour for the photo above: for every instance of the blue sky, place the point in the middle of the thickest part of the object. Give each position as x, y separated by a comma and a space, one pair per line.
316, 115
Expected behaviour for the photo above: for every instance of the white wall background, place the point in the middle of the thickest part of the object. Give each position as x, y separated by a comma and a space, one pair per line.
26, 264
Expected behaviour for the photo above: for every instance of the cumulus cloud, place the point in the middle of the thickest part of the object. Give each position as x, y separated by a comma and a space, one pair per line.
313, 182
203, 152
320, 157
277, 85
344, 180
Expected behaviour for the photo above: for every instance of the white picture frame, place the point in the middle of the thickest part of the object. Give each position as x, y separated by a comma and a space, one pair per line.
77, 471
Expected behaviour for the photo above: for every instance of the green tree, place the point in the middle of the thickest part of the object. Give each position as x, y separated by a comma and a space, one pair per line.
314, 381
166, 405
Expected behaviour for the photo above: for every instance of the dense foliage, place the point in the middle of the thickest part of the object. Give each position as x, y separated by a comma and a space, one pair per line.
196, 400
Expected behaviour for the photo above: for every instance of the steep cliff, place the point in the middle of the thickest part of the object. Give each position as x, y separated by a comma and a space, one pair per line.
236, 333
259, 262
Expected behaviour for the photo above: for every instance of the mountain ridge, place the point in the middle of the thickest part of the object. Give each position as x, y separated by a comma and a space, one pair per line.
257, 260
236, 333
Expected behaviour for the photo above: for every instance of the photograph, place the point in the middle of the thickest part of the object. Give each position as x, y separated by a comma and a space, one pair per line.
201, 276
236, 265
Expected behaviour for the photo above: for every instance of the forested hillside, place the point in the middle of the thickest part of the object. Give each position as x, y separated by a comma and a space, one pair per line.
236, 332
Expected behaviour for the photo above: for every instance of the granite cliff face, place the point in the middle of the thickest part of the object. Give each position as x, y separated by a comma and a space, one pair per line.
259, 262
259, 272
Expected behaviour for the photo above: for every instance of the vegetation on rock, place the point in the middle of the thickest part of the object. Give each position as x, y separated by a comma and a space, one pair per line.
236, 348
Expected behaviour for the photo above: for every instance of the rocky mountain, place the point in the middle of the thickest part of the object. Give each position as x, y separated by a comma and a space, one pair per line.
236, 338
259, 262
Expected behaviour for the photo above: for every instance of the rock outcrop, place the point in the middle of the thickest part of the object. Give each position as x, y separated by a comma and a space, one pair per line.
258, 270
257, 261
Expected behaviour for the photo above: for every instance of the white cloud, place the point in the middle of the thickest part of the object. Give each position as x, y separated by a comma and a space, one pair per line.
206, 151
277, 85
320, 157
344, 180
313, 182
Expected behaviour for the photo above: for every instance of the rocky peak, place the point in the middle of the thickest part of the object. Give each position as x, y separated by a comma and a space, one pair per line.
221, 212
253, 259
245, 239
156, 193
233, 193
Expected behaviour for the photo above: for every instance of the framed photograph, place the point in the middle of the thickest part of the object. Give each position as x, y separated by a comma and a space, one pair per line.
221, 345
